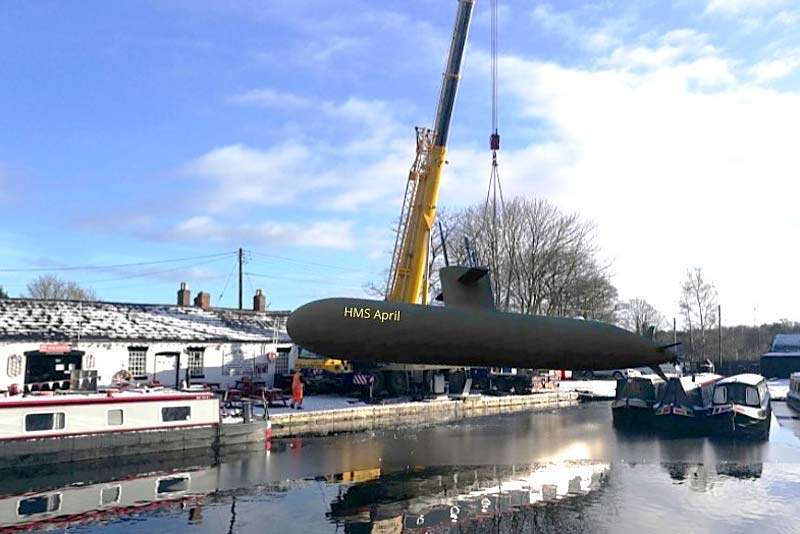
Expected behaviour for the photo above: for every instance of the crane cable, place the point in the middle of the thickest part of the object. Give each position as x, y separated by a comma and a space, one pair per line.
495, 192
495, 188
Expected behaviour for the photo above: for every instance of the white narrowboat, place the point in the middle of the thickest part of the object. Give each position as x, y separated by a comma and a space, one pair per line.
73, 427
741, 407
80, 504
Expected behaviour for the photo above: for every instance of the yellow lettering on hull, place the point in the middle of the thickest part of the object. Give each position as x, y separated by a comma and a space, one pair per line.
369, 313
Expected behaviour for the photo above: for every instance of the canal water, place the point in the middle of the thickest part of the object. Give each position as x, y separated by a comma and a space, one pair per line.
559, 470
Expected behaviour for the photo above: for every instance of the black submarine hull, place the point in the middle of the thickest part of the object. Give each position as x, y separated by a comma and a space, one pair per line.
369, 330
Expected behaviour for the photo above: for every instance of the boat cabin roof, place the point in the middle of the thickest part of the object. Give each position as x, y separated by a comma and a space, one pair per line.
750, 379
698, 380
133, 395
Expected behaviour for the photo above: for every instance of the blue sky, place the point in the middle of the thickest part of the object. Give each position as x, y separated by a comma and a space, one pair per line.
142, 131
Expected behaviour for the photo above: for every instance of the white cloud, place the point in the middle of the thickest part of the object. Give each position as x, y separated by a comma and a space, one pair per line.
270, 98
603, 36
783, 65
241, 176
367, 162
675, 172
735, 7
334, 234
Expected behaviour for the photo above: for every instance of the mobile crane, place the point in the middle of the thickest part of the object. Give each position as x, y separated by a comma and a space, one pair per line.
408, 274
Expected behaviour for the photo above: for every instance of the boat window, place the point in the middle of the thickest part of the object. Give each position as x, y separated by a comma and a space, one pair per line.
115, 417
751, 396
39, 505
176, 413
172, 484
110, 495
38, 422
720, 395
763, 393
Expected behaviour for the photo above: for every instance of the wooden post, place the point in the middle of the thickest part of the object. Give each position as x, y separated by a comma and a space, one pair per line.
719, 336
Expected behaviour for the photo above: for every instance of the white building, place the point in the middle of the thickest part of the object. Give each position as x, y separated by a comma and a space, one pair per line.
42, 341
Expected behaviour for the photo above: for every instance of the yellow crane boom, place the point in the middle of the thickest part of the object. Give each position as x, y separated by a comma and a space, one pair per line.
408, 275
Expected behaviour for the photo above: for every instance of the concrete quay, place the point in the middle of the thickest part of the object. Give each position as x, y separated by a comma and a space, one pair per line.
366, 417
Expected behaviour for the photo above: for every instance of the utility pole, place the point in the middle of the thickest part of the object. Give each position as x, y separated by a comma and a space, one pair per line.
241, 262
674, 330
719, 335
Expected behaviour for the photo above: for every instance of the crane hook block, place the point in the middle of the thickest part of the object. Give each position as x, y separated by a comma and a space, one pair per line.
494, 141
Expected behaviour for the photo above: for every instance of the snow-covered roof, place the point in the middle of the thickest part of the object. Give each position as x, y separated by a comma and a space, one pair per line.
750, 379
785, 345
65, 320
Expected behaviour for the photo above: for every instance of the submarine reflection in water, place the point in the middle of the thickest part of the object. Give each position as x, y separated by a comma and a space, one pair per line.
370, 330
447, 498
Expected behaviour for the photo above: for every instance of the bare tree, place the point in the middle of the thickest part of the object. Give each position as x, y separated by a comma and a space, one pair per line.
698, 304
3, 294
51, 287
637, 315
542, 261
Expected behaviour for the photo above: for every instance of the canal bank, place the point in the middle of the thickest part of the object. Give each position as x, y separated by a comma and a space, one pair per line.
366, 417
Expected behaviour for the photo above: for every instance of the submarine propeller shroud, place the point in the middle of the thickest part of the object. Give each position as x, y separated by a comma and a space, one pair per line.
396, 332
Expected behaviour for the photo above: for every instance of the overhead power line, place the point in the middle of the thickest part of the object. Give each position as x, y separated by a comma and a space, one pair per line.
302, 262
113, 266
152, 273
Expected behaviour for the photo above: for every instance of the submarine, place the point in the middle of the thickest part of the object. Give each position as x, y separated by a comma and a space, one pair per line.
466, 331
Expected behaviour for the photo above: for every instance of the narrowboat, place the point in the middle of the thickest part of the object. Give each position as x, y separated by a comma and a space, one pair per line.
79, 504
633, 404
73, 426
683, 404
793, 396
741, 407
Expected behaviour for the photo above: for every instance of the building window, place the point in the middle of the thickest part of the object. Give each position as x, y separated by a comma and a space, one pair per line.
137, 362
195, 361
115, 417
282, 361
41, 422
176, 413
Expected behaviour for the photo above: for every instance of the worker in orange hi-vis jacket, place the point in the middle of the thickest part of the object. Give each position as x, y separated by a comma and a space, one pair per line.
297, 391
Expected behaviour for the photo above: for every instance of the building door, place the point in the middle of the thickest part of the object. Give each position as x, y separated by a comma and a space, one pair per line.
49, 371
168, 368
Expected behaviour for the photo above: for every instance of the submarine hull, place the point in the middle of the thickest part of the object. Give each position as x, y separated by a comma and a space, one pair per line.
369, 330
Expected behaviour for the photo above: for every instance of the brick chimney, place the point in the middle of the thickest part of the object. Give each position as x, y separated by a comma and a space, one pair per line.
184, 295
203, 300
259, 301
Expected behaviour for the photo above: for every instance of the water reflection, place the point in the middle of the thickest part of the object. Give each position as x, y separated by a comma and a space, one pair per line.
451, 499
560, 471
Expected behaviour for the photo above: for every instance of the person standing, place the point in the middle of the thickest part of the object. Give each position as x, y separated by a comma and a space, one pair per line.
297, 390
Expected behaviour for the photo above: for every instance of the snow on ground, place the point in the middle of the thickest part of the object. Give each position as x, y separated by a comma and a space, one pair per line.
778, 388
315, 403
603, 389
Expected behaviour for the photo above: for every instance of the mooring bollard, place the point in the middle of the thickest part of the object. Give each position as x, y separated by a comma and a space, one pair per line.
247, 411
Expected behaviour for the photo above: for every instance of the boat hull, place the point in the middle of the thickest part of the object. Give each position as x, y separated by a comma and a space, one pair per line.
793, 401
33, 452
732, 424
680, 422
630, 416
